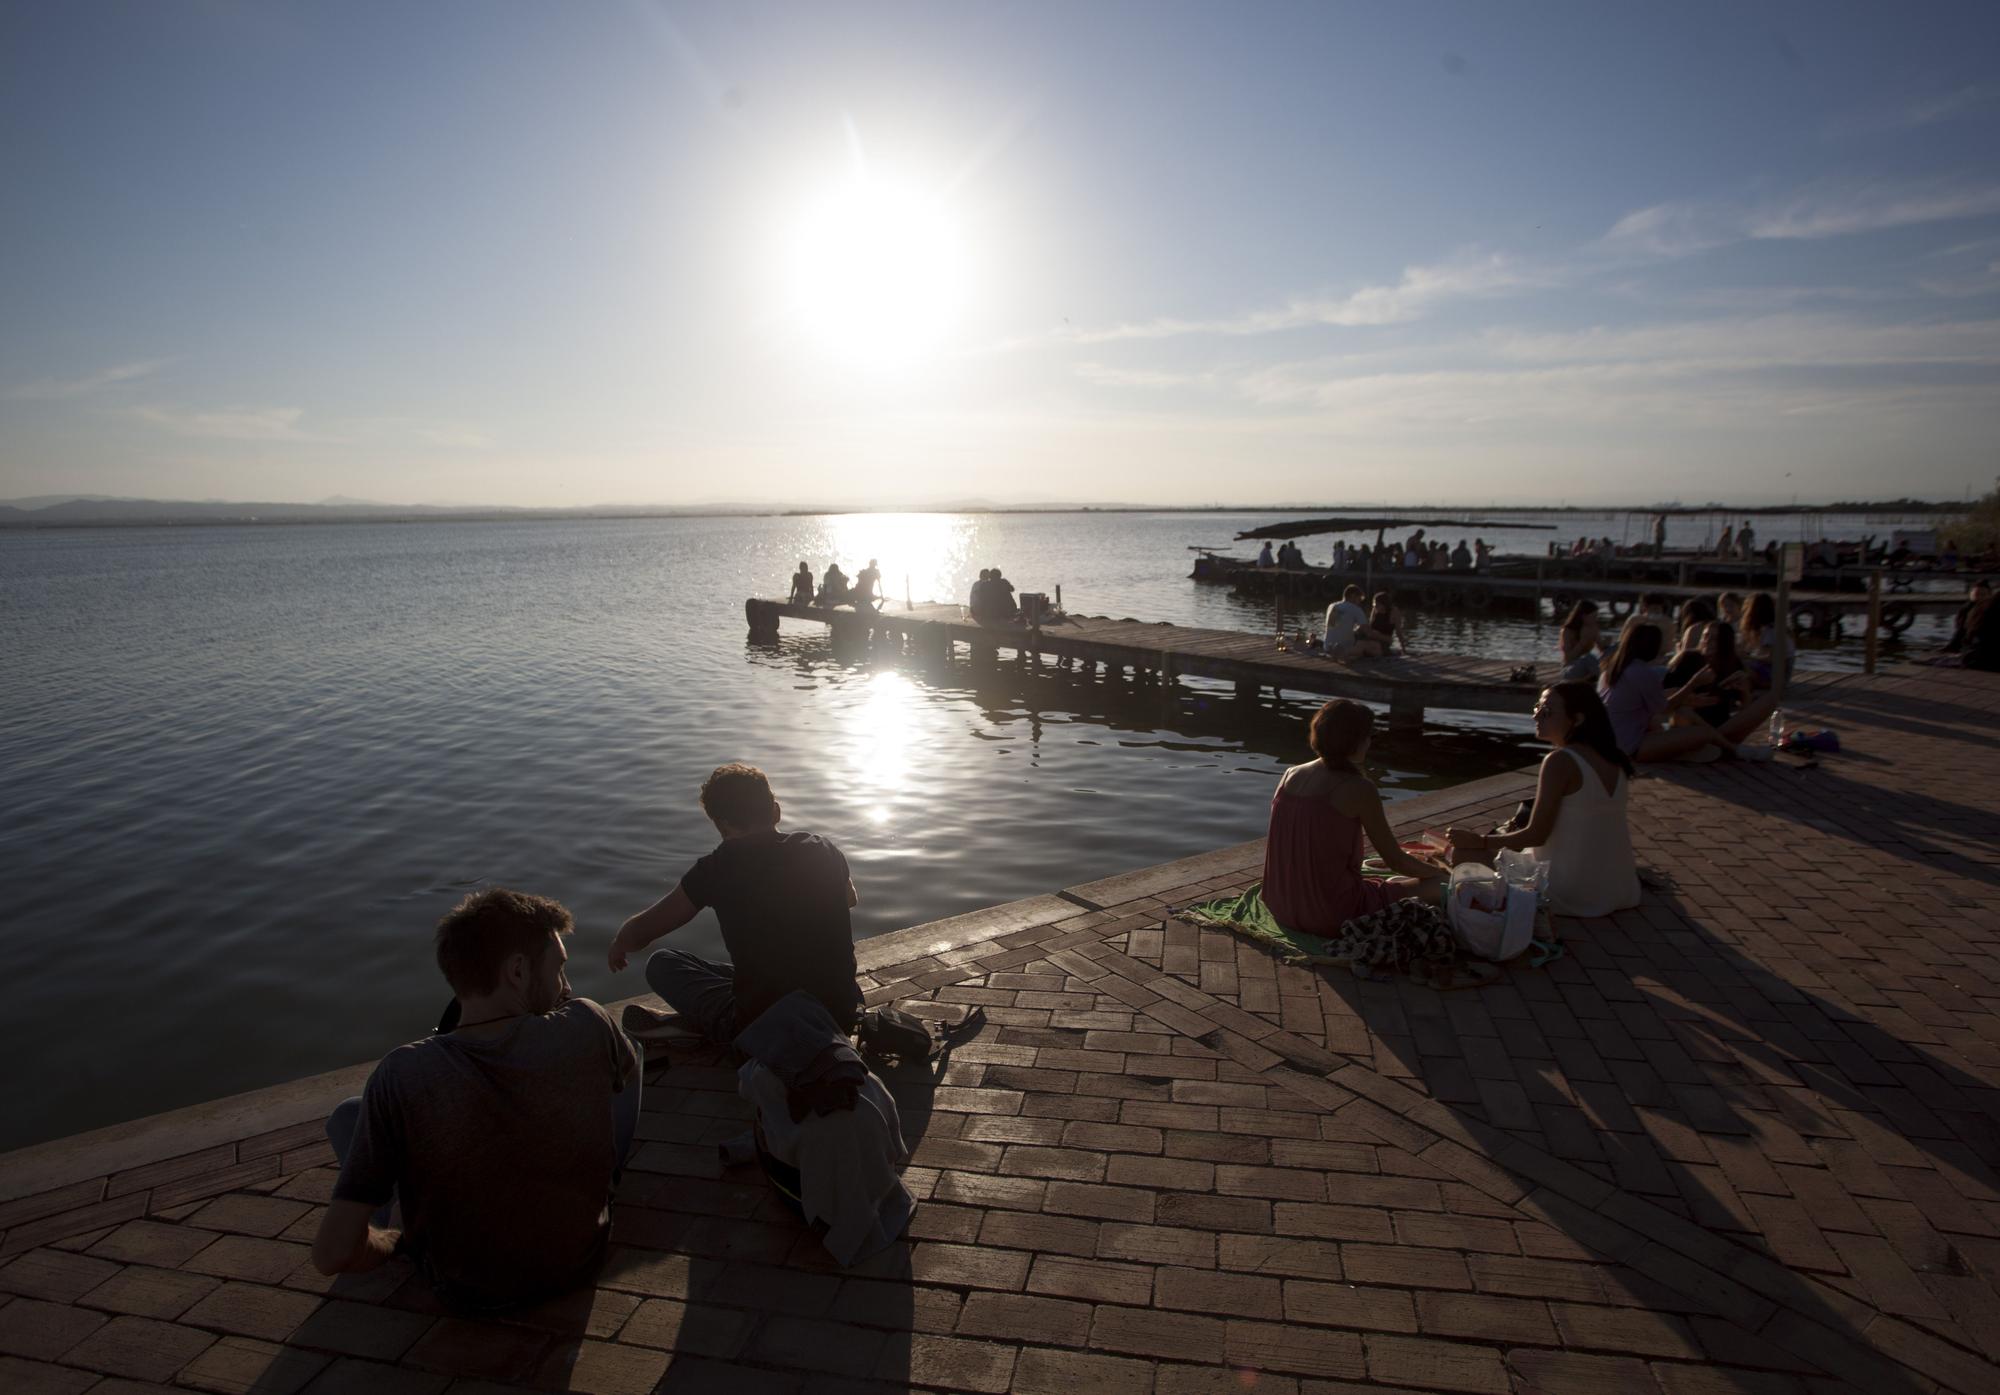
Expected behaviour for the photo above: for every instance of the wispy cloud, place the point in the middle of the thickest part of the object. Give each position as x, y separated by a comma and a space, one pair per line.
60, 389
230, 423
455, 437
1823, 210
1918, 112
1741, 370
1416, 293
1106, 375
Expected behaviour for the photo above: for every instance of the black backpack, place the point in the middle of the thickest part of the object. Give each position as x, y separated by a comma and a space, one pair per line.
892, 1034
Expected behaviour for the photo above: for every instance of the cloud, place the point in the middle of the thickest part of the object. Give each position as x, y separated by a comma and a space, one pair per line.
1419, 290
1915, 114
1740, 371
1828, 209
230, 423
1105, 375
62, 389
455, 437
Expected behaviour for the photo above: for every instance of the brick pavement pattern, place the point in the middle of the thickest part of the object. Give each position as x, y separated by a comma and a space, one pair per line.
1742, 1139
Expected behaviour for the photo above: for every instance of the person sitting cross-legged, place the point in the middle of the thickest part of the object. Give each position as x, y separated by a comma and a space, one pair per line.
782, 900
501, 1137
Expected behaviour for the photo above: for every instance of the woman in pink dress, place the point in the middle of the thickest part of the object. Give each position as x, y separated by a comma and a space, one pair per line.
1313, 882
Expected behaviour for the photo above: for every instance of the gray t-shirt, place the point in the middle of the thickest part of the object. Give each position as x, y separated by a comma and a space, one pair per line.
500, 1149
1343, 618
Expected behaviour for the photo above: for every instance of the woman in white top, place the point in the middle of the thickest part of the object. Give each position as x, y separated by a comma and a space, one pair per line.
1579, 826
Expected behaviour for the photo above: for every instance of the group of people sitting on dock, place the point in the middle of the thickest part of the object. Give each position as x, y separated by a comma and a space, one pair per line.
992, 597
1415, 554
1354, 632
1288, 556
864, 592
1687, 687
502, 1134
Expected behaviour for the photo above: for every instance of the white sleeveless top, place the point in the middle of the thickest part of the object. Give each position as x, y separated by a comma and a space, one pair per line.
1589, 852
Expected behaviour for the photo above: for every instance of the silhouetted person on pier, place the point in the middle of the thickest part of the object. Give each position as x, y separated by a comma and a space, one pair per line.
867, 593
802, 585
501, 1134
782, 900
833, 587
1461, 557
993, 597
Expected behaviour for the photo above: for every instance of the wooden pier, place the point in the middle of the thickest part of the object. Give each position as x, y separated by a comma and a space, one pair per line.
1408, 685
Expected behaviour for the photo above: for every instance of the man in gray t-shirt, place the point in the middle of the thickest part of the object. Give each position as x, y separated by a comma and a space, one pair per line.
500, 1137
1344, 621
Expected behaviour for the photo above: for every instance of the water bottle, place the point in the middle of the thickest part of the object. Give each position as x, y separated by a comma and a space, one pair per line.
1777, 727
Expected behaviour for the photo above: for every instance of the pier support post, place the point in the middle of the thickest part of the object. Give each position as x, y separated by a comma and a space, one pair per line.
849, 631
763, 618
1406, 712
1246, 691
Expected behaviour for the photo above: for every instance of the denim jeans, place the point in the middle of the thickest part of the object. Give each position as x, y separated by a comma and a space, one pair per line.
702, 991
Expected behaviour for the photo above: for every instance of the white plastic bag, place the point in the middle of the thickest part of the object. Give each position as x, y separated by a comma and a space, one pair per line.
1492, 915
1521, 870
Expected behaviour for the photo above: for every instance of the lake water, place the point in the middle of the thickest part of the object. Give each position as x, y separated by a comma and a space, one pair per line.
246, 769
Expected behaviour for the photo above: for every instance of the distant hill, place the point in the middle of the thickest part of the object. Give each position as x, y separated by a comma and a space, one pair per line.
99, 510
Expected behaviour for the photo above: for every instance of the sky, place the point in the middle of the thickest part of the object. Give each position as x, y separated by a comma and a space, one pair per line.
871, 254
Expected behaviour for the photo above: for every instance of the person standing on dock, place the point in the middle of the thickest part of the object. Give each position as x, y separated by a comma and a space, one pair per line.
1659, 535
782, 900
1725, 546
1746, 537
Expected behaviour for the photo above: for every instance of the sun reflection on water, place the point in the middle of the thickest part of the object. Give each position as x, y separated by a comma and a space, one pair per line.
922, 555
878, 737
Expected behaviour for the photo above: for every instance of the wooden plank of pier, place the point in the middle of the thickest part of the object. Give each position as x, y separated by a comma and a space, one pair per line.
1408, 684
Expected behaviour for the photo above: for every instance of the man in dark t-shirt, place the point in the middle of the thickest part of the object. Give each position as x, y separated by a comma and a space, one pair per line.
499, 1136
782, 900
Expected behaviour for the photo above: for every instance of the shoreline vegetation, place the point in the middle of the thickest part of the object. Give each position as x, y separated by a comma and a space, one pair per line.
154, 513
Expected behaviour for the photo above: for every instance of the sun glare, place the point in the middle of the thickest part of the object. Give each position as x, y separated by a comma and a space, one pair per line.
876, 273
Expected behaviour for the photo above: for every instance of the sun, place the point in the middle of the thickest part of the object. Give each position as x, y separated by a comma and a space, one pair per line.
876, 272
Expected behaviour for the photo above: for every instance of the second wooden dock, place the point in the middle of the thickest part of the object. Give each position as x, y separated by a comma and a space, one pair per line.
1409, 685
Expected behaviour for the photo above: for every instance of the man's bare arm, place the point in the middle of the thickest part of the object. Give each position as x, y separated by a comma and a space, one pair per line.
347, 1243
663, 917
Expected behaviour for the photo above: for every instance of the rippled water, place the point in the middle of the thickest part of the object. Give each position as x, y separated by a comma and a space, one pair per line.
245, 769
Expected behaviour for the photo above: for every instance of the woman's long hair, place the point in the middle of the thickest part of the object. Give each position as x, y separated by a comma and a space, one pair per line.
1590, 724
1760, 612
1640, 644
1337, 731
1726, 660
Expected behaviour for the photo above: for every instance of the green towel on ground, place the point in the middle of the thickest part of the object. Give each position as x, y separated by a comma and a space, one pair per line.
1248, 916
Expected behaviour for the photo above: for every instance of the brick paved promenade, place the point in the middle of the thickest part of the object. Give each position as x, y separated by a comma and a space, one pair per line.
1741, 1139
